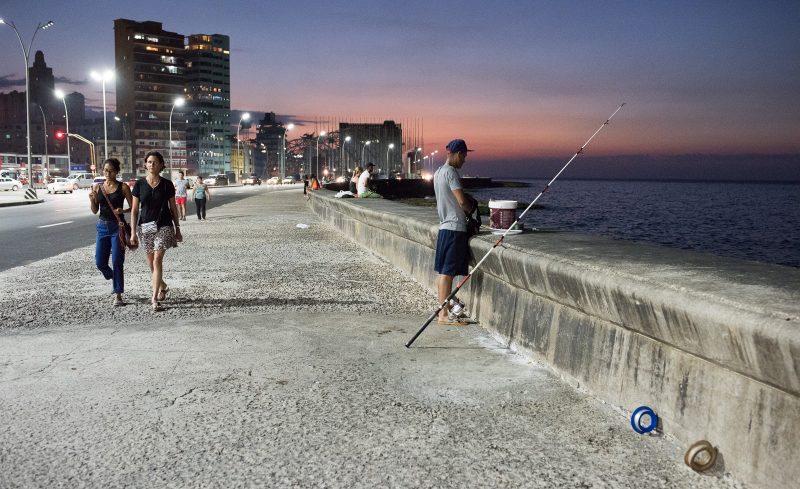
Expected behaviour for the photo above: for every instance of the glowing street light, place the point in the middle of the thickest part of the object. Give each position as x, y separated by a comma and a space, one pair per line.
178, 102
321, 134
341, 160
366, 143
61, 95
107, 75
289, 127
243, 118
26, 54
390, 147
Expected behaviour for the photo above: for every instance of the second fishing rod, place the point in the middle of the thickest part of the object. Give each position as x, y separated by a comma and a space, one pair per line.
500, 240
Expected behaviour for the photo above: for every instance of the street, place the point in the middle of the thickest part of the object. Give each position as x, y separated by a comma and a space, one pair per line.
64, 222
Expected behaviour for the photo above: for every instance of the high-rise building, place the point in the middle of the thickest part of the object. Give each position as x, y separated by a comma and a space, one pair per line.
150, 74
42, 85
208, 103
270, 137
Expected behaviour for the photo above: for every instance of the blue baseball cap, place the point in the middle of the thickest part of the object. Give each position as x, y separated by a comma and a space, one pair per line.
457, 146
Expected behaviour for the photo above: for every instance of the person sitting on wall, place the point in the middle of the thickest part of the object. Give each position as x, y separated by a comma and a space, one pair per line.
363, 180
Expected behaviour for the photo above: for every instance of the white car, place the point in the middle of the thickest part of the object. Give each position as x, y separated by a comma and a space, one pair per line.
273, 181
288, 180
10, 184
81, 180
60, 185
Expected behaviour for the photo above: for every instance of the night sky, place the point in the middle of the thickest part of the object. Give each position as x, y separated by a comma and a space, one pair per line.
519, 80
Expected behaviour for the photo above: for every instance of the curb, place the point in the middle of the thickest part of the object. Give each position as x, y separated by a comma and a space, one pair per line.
21, 202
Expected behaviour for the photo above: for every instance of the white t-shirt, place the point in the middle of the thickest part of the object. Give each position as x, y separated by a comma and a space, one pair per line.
362, 182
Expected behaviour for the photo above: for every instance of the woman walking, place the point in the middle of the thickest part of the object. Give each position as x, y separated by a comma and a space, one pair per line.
201, 196
108, 199
156, 217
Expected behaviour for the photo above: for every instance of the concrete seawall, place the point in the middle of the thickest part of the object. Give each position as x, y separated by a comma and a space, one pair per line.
711, 344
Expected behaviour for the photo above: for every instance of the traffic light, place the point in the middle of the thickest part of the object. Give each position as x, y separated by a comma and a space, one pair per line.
60, 134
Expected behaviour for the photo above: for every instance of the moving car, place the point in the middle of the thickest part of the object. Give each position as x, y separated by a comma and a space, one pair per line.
10, 184
288, 180
60, 184
216, 179
273, 181
251, 180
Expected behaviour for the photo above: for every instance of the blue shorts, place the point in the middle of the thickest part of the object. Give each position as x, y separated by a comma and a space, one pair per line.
452, 253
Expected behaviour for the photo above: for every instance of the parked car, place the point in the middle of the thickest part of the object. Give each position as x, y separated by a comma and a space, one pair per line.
10, 184
81, 180
251, 180
288, 180
60, 184
217, 179
273, 181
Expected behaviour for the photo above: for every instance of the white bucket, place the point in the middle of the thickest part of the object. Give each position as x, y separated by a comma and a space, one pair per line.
502, 213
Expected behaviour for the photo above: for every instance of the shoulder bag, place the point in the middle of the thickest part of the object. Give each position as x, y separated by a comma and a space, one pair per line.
124, 229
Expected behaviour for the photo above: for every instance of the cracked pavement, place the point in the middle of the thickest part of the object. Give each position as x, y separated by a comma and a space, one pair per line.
280, 363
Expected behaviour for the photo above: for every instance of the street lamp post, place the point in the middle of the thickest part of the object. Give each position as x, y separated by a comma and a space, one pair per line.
244, 117
178, 102
63, 97
125, 145
341, 160
388, 148
107, 75
289, 127
26, 55
46, 162
323, 133
366, 143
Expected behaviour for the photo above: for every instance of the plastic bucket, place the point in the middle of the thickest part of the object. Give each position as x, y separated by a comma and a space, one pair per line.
502, 213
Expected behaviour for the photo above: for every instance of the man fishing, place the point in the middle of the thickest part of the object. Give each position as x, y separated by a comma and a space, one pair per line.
452, 244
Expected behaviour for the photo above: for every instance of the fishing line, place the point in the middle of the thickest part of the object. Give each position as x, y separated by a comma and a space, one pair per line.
500, 240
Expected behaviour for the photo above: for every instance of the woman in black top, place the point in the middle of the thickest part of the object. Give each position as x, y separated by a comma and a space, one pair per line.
107, 240
156, 222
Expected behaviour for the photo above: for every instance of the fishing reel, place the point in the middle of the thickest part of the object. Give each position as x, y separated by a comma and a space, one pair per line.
456, 308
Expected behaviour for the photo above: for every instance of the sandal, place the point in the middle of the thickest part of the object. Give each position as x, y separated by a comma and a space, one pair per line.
157, 307
118, 302
453, 322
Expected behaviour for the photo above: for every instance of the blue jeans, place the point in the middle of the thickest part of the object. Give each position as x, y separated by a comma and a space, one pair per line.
107, 243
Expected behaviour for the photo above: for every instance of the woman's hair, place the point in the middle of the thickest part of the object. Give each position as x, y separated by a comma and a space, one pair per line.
114, 163
357, 169
200, 177
158, 156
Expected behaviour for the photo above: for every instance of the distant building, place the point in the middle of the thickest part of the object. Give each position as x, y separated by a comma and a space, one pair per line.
42, 85
357, 152
270, 135
150, 72
208, 103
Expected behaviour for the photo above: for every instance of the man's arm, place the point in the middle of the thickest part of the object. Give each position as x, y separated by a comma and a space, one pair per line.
462, 201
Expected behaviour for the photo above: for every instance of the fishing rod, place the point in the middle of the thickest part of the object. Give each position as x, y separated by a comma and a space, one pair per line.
499, 241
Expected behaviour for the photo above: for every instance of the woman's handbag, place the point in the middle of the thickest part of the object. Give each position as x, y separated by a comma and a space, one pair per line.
123, 228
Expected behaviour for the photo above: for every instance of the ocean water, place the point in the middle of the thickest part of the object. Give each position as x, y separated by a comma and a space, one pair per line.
750, 221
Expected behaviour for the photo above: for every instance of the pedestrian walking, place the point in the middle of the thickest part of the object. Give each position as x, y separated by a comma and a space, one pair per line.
108, 199
201, 195
452, 244
156, 217
181, 186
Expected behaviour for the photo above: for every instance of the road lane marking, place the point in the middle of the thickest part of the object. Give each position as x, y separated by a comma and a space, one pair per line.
56, 224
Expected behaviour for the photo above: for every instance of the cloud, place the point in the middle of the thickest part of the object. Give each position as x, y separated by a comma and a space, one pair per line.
6, 81
69, 81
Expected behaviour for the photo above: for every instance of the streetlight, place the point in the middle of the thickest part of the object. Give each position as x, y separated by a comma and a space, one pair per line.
178, 102
26, 55
362, 153
107, 75
289, 127
391, 146
321, 134
341, 160
244, 117
63, 97
46, 162
433, 165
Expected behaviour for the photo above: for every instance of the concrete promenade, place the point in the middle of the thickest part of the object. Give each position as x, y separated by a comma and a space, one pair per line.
280, 363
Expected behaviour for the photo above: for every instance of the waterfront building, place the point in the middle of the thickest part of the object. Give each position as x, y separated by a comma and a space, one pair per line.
208, 104
150, 75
